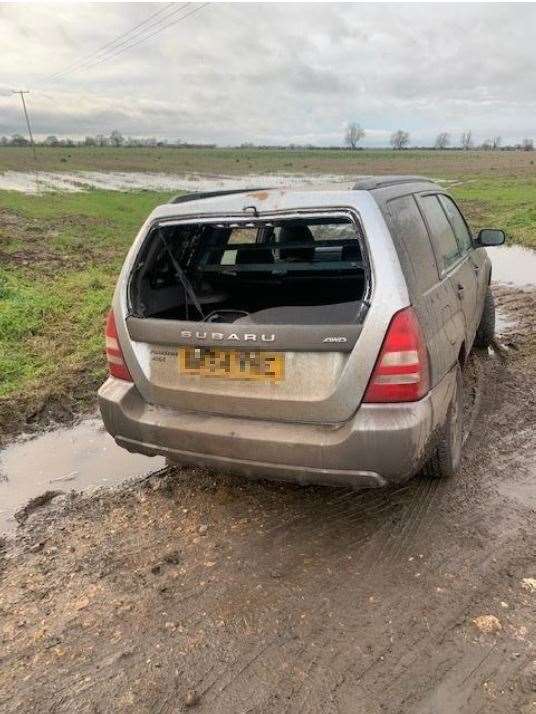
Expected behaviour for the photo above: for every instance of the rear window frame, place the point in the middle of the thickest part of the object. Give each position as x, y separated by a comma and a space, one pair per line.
218, 218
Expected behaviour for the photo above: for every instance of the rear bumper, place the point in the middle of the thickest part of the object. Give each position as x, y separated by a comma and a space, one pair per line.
381, 444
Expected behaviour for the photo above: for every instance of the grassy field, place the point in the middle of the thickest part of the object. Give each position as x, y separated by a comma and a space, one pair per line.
59, 258
60, 253
440, 164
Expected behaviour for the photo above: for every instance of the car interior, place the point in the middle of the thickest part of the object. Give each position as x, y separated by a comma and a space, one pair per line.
290, 271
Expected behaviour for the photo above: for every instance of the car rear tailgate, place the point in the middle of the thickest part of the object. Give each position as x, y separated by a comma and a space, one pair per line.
326, 369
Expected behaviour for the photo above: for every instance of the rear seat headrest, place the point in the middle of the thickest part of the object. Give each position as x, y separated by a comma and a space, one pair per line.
297, 233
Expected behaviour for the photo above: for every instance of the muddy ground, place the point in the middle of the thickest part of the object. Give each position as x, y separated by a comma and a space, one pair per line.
195, 591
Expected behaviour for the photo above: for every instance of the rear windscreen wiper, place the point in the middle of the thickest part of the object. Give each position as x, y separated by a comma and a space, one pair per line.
183, 280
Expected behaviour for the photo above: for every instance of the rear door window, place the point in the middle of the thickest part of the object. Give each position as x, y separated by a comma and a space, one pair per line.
463, 236
412, 242
444, 241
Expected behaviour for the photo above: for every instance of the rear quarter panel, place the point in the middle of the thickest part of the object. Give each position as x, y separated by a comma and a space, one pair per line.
443, 324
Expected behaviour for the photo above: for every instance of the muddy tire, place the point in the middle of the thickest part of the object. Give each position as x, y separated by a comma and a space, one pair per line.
447, 453
486, 329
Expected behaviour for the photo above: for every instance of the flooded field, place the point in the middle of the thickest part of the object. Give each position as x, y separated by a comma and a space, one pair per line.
45, 181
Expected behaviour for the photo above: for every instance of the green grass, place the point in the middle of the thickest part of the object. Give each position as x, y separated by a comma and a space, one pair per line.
50, 326
59, 259
501, 203
54, 295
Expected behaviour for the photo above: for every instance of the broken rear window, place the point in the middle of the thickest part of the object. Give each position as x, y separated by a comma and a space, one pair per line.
286, 271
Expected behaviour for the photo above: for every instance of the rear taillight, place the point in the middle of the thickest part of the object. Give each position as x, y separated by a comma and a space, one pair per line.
114, 354
401, 373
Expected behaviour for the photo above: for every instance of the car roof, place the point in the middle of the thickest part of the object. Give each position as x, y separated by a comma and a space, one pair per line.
363, 183
378, 189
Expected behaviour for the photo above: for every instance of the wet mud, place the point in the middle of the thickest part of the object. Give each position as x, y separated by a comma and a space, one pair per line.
187, 590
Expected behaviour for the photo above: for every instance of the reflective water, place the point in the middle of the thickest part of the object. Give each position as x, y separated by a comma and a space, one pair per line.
82, 458
513, 265
42, 181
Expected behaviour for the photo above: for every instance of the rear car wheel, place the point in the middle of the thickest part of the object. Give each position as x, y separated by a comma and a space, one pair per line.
447, 453
486, 329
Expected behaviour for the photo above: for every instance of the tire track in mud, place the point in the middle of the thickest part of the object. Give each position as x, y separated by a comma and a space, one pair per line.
322, 666
412, 651
412, 522
464, 609
419, 505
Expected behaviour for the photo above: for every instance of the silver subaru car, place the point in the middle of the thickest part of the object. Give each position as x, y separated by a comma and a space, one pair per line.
315, 336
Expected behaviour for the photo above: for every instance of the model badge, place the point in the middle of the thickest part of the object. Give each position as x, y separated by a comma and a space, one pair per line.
334, 339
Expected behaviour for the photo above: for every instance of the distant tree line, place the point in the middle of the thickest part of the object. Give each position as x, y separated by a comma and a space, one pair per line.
353, 134
114, 139
494, 143
400, 140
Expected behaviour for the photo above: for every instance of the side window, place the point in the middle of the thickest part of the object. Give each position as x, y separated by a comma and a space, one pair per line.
443, 238
412, 242
458, 224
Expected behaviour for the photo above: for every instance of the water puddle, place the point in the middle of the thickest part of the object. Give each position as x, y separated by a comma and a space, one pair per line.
82, 458
513, 265
43, 181
503, 322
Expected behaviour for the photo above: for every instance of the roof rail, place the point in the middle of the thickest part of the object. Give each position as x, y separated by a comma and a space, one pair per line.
368, 183
212, 194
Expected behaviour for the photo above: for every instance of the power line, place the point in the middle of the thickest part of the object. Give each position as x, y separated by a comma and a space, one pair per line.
128, 32
148, 37
136, 39
146, 24
22, 92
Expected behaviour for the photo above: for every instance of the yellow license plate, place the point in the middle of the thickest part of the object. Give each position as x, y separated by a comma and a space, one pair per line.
232, 364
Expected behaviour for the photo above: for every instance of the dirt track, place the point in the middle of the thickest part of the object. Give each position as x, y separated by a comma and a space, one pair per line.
197, 591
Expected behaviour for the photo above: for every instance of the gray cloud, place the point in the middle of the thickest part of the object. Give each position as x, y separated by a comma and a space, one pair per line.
275, 73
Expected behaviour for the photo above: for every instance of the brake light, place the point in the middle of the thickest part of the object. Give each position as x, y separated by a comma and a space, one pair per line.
114, 355
401, 373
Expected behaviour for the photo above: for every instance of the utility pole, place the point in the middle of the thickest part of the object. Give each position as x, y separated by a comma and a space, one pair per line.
22, 92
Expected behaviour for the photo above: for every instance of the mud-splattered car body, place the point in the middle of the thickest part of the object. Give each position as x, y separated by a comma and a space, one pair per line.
307, 336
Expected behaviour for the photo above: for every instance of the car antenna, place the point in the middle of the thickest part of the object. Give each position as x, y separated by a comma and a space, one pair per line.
181, 277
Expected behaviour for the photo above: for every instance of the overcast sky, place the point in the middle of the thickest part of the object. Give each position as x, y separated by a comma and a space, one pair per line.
272, 73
